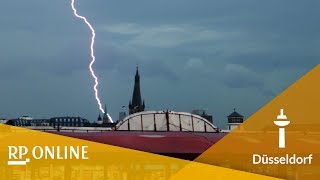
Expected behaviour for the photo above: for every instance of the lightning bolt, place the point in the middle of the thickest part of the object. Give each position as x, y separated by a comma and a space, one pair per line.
93, 58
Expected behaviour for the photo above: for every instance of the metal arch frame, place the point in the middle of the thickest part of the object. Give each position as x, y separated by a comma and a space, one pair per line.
141, 114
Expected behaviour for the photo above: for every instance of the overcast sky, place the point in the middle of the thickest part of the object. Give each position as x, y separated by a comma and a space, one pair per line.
210, 54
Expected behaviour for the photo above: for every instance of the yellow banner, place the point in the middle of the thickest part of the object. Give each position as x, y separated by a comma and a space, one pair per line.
29, 154
281, 140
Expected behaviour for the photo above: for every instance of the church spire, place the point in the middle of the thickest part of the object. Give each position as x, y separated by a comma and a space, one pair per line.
105, 115
105, 109
136, 103
137, 77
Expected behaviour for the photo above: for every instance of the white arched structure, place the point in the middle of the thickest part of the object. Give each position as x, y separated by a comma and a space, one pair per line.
165, 121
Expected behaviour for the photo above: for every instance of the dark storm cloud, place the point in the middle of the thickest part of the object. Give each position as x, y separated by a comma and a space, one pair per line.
215, 49
9, 71
262, 62
34, 16
238, 76
158, 69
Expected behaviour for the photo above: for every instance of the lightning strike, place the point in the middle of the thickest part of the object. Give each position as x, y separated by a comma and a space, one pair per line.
93, 58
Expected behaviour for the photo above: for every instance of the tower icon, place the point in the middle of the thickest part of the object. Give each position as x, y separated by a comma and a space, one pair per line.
282, 121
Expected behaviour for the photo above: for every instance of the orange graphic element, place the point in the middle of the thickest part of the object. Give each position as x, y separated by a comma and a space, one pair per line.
60, 157
257, 147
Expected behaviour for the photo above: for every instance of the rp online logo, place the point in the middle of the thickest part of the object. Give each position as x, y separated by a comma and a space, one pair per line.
19, 155
16, 154
282, 121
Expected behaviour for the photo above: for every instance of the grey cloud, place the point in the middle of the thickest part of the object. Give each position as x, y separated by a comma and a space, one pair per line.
158, 69
238, 76
261, 62
216, 49
166, 35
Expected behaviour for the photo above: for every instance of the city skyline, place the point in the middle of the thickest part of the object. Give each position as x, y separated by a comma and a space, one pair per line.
211, 55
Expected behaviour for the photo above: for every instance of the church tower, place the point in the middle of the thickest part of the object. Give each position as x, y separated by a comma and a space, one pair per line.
105, 118
136, 104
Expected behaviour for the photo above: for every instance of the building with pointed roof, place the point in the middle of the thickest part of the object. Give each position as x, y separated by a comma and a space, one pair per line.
105, 118
136, 104
234, 120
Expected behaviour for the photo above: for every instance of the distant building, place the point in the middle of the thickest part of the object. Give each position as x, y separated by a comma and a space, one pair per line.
234, 120
18, 122
105, 120
26, 118
40, 122
136, 104
57, 122
122, 115
24, 121
202, 113
3, 121
99, 120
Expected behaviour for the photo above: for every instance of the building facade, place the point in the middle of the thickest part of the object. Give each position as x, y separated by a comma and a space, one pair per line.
57, 122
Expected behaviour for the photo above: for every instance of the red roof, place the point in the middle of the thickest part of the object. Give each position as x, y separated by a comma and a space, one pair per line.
154, 142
